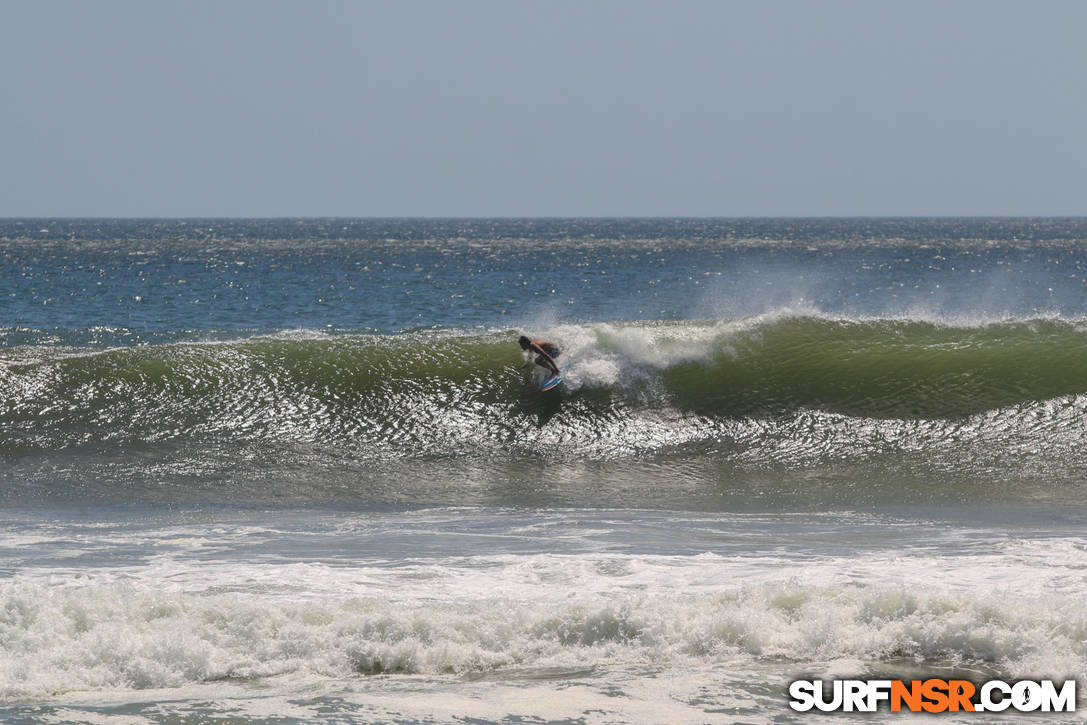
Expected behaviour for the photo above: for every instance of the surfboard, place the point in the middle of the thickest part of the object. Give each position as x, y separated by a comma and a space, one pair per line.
554, 380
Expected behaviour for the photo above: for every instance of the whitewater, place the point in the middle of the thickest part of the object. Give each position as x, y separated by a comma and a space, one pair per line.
297, 470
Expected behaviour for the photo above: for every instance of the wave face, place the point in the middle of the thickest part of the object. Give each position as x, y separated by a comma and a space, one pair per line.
870, 368
631, 388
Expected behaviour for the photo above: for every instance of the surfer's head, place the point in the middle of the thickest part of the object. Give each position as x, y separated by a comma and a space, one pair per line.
525, 342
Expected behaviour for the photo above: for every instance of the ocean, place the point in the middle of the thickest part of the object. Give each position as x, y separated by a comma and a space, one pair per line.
296, 470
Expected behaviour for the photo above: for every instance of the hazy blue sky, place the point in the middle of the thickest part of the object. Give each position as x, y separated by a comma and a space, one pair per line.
507, 108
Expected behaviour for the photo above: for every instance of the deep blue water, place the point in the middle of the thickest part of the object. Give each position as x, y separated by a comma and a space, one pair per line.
155, 281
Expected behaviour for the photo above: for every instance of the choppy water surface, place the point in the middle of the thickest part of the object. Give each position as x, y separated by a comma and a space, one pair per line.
295, 469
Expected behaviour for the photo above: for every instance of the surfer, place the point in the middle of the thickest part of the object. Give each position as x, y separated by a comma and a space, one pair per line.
546, 352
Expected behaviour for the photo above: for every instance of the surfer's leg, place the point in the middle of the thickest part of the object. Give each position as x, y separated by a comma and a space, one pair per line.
547, 365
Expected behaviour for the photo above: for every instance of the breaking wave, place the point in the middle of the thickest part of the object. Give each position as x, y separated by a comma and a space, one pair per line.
114, 637
421, 392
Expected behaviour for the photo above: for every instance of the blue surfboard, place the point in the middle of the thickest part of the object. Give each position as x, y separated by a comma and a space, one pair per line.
554, 380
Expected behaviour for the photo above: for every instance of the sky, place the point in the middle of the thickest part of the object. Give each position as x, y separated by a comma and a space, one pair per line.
514, 108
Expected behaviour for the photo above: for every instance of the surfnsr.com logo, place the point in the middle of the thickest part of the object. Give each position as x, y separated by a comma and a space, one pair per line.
932, 695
